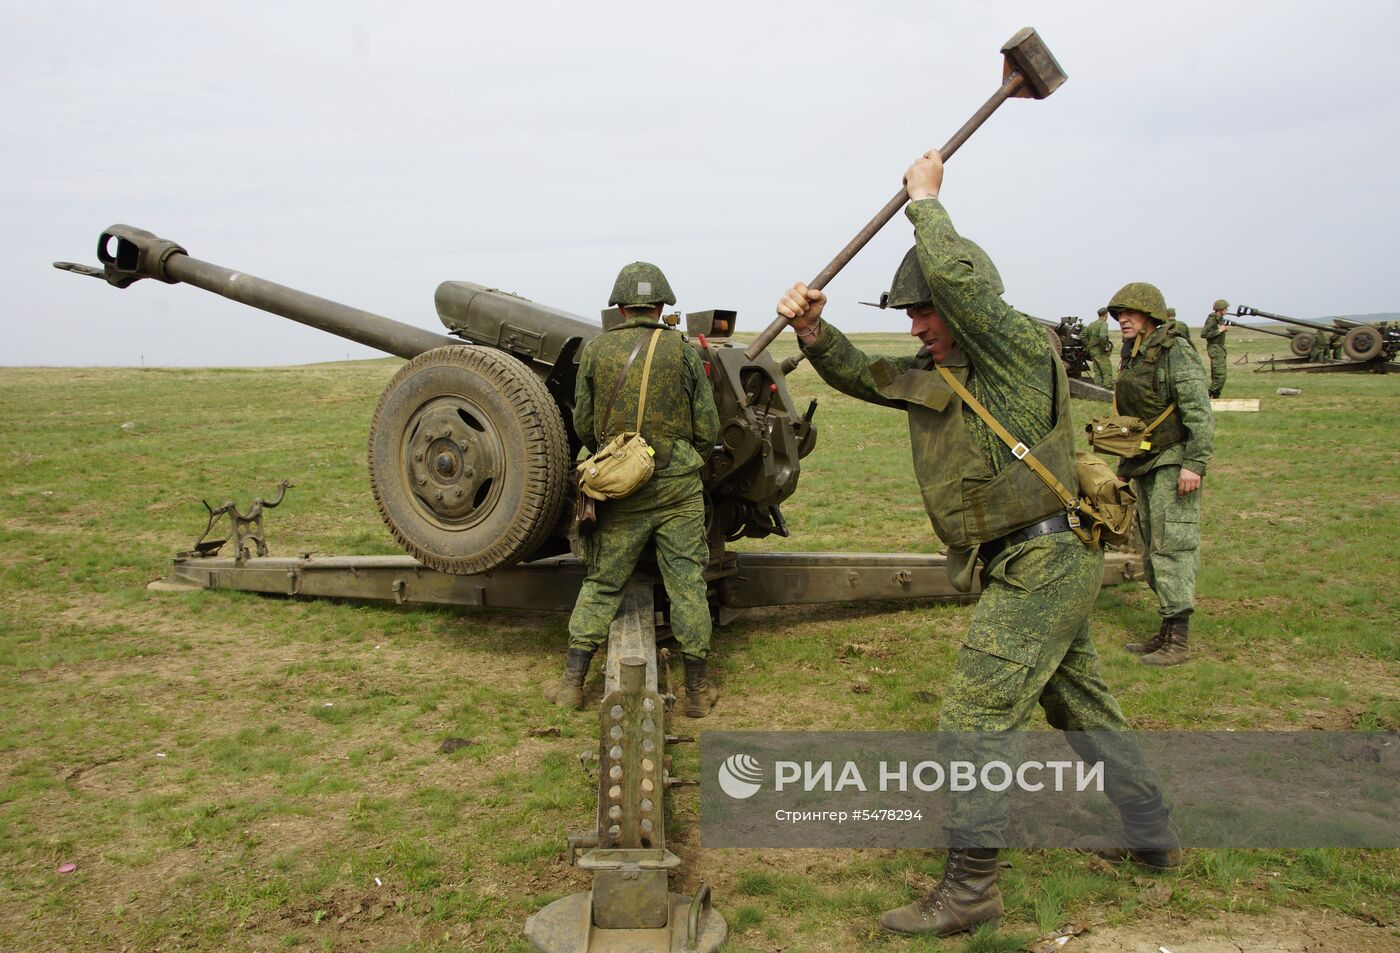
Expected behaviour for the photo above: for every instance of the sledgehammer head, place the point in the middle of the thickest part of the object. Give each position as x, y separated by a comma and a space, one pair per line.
1027, 54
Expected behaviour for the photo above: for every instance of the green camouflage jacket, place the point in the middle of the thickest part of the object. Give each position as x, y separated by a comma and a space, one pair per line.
681, 421
1180, 377
1214, 331
1096, 337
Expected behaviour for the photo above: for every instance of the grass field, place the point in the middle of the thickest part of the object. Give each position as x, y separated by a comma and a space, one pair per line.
229, 772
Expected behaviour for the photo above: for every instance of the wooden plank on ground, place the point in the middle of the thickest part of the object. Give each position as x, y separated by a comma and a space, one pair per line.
1219, 404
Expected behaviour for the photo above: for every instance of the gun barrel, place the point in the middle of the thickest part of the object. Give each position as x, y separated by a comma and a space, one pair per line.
1247, 311
130, 254
1250, 327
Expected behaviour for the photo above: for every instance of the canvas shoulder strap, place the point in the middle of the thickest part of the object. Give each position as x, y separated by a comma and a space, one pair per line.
1160, 417
646, 376
1018, 449
637, 349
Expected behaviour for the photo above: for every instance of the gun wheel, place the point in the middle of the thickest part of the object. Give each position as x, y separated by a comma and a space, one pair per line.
468, 459
1301, 344
1363, 343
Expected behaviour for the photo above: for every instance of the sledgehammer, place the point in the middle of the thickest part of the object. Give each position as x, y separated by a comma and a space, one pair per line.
1029, 72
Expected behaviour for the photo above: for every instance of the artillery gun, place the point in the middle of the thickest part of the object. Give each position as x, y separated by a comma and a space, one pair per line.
471, 444
1374, 344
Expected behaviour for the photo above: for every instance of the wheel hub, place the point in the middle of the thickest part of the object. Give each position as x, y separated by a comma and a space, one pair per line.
452, 457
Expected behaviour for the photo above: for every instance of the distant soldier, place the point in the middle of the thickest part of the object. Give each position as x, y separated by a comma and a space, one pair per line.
1214, 334
680, 425
1324, 346
1100, 348
1185, 328
1164, 379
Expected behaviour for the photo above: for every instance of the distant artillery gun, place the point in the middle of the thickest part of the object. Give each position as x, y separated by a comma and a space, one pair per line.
1371, 347
1067, 338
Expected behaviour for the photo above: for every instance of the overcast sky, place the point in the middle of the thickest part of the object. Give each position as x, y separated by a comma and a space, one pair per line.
366, 151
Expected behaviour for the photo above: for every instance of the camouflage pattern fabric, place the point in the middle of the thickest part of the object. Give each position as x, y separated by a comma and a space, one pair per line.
681, 422
1029, 640
669, 510
1100, 349
1214, 334
1029, 645
1179, 377
1171, 539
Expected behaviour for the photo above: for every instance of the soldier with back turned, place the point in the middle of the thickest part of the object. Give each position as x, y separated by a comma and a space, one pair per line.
1100, 349
679, 421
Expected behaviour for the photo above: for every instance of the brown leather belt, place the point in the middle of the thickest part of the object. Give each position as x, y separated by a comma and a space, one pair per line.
991, 549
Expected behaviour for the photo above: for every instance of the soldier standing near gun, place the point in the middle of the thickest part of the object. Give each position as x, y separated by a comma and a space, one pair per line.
680, 424
1100, 347
1164, 380
1214, 334
1028, 642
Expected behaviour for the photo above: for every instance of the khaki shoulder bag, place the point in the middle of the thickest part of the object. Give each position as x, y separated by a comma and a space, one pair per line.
1122, 435
1103, 510
624, 464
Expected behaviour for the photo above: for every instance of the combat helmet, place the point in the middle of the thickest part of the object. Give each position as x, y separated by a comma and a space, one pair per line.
1220, 304
909, 289
1171, 314
1139, 296
641, 284
1103, 311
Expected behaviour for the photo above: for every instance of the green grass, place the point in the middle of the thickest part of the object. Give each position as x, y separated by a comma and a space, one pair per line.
237, 772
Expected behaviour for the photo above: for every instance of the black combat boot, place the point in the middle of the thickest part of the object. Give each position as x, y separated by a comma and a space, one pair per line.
1147, 837
966, 897
1175, 650
700, 693
1152, 644
569, 692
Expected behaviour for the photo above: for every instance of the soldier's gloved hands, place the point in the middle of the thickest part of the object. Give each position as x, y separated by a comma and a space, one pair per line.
802, 306
925, 177
1188, 482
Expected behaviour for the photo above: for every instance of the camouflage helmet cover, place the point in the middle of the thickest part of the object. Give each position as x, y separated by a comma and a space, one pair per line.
1220, 304
1103, 311
1171, 313
909, 289
641, 284
1139, 296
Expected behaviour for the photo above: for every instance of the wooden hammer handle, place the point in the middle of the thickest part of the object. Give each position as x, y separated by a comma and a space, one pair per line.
1008, 89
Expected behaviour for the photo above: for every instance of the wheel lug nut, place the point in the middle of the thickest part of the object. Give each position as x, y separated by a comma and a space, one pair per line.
422, 480
437, 495
418, 456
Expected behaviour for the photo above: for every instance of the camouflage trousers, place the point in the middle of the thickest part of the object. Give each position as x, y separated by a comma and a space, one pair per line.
1103, 370
1171, 539
670, 511
1028, 646
1218, 363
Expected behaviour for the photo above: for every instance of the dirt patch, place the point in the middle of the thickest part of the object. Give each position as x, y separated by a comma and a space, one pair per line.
1282, 931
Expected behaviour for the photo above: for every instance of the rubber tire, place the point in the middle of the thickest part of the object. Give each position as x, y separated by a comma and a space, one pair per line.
536, 458
1055, 342
1301, 344
1363, 343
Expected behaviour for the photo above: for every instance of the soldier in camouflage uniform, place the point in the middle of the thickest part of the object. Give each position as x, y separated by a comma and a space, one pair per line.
1214, 334
680, 425
1161, 374
1100, 348
1028, 643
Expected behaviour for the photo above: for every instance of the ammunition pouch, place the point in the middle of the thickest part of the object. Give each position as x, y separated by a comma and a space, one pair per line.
624, 464
619, 469
1122, 435
1106, 502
